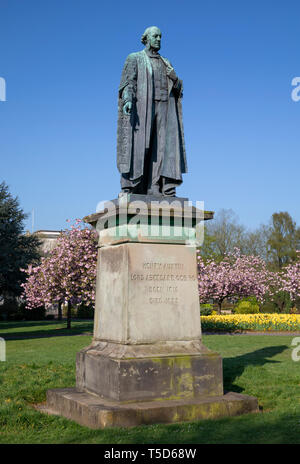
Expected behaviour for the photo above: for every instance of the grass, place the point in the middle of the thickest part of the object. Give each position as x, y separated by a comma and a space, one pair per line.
256, 365
37, 329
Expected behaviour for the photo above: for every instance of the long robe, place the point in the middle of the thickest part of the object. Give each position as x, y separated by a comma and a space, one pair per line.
134, 130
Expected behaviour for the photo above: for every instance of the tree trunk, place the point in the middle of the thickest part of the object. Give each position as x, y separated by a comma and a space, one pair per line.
59, 316
219, 307
281, 306
69, 316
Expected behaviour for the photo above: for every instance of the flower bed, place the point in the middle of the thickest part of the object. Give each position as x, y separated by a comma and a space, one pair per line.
252, 322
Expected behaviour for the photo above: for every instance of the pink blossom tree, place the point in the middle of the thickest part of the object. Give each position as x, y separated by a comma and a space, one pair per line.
67, 274
291, 279
237, 276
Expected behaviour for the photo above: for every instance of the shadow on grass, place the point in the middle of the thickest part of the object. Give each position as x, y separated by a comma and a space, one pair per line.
253, 428
234, 367
18, 324
49, 329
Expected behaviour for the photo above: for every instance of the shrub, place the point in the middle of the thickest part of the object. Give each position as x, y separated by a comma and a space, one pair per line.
16, 317
85, 312
206, 309
34, 314
14, 311
268, 307
8, 309
247, 306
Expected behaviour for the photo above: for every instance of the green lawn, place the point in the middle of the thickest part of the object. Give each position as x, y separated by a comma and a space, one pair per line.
37, 329
39, 359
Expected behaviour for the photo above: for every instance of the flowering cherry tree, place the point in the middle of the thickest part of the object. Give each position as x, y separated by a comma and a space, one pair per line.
67, 274
291, 279
236, 276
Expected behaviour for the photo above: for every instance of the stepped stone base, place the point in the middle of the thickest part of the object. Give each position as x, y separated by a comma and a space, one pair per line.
161, 371
92, 411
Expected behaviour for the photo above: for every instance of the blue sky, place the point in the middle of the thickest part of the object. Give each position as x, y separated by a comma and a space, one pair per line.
62, 62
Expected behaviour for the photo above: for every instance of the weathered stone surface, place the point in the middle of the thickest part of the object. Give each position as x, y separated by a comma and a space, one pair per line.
160, 376
152, 297
90, 410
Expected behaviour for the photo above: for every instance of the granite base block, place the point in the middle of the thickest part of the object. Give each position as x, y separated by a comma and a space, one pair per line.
92, 411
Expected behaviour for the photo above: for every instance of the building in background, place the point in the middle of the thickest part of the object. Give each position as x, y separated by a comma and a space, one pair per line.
48, 240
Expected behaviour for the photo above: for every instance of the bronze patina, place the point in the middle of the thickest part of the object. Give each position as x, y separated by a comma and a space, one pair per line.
150, 148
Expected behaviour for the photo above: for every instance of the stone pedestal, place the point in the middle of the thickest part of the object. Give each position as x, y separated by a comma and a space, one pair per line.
146, 363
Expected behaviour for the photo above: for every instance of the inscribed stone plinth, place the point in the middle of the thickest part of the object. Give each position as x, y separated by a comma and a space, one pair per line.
152, 297
152, 305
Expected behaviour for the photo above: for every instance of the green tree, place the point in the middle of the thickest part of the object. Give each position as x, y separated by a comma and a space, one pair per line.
255, 242
17, 250
283, 241
222, 235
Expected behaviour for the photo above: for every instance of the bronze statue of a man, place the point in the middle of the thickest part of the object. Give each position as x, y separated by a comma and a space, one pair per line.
150, 147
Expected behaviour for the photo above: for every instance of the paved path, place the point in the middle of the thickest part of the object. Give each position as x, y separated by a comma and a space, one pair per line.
288, 334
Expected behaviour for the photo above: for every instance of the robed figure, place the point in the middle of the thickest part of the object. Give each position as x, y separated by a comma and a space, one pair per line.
150, 147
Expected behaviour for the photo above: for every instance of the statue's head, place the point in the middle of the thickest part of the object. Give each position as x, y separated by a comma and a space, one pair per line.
151, 38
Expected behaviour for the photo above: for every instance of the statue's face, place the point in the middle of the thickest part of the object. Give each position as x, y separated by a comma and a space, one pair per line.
154, 38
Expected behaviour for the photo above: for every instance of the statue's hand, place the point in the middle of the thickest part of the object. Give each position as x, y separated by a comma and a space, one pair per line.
127, 108
171, 74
